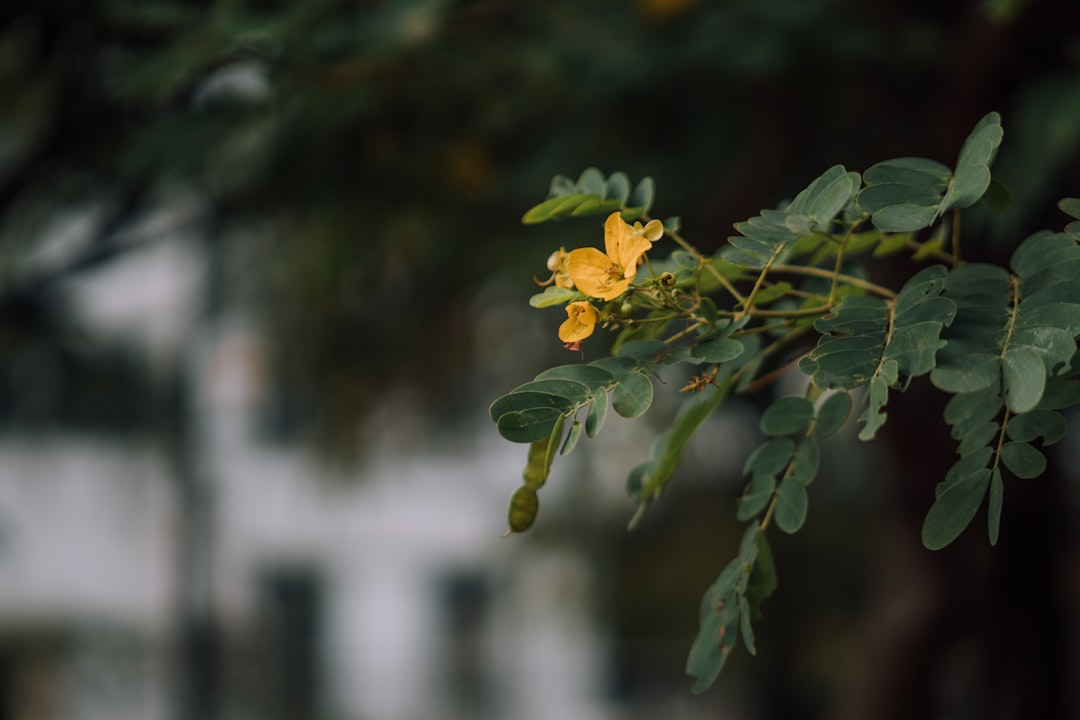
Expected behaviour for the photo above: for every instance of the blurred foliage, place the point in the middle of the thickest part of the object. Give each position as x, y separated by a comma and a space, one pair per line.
380, 152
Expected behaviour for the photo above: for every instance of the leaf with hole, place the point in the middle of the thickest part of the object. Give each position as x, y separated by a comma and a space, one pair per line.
719, 627
1047, 424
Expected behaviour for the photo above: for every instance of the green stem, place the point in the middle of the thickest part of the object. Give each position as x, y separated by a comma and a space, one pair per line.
848, 279
724, 282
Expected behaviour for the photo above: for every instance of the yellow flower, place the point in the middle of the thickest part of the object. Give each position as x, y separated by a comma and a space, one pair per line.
608, 276
580, 322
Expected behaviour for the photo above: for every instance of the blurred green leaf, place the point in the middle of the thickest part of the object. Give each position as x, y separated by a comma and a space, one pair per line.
553, 295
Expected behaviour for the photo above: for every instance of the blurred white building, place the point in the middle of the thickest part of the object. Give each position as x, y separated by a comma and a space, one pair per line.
389, 597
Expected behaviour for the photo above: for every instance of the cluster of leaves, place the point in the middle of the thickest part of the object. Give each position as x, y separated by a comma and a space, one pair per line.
1001, 341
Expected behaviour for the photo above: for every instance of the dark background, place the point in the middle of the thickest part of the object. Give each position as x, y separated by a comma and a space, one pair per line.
365, 181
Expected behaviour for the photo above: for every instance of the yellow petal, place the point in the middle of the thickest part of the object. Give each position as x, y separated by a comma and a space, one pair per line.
580, 322
594, 274
624, 246
653, 230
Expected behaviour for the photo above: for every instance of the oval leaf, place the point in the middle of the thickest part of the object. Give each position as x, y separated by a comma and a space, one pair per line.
1022, 460
633, 395
787, 415
1023, 378
791, 505
954, 509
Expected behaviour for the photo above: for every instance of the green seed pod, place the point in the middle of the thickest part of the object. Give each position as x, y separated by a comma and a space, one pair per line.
523, 507
537, 469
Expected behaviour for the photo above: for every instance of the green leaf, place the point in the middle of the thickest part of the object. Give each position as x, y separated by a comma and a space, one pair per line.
747, 631
787, 415
561, 185
553, 295
572, 438
719, 350
1042, 250
576, 392
594, 420
849, 351
972, 175
977, 371
772, 293
914, 171
770, 458
905, 217
963, 467
593, 205
617, 187
1047, 424
832, 199
970, 409
633, 395
616, 366
1070, 206
1054, 345
806, 461
920, 287
1023, 379
719, 628
791, 505
954, 509
519, 401
762, 582
643, 195
914, 347
592, 375
526, 426
832, 413
756, 496
977, 437
748, 547
554, 208
1022, 460
591, 182
642, 350
873, 417
997, 499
